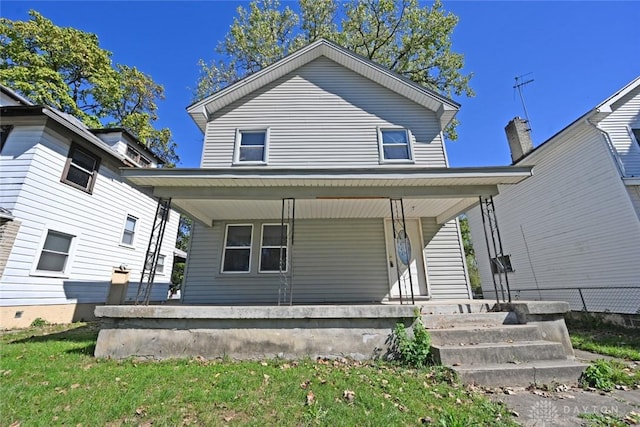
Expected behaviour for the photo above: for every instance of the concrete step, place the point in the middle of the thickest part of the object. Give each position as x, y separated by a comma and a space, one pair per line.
443, 321
482, 353
487, 334
523, 374
456, 307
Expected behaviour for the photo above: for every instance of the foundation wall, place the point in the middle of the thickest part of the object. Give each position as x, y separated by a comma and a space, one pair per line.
21, 316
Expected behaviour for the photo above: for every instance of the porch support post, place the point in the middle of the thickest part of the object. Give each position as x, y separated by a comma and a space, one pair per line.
494, 249
401, 240
287, 235
148, 273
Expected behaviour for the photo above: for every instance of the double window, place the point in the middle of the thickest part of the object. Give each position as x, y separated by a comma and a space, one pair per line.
238, 245
251, 146
394, 145
81, 169
137, 157
54, 255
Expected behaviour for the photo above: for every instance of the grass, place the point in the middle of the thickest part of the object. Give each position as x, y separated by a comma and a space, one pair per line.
49, 377
604, 338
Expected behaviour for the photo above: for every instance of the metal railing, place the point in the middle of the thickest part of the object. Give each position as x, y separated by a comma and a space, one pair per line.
597, 299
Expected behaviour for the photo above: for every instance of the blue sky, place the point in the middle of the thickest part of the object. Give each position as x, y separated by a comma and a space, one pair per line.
578, 54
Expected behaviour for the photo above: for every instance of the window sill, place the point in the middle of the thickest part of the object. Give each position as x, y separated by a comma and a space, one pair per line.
57, 275
246, 163
398, 161
123, 245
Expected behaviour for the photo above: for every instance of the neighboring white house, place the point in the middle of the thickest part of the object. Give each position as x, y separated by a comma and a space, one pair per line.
69, 224
576, 222
324, 179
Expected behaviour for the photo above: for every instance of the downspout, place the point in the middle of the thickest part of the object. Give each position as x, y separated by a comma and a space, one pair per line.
612, 148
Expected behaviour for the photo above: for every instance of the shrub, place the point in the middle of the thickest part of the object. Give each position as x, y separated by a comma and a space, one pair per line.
412, 350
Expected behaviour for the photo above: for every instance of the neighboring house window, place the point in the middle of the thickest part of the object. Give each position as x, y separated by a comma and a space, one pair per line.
237, 249
5, 130
394, 145
501, 264
129, 231
160, 264
137, 157
81, 169
636, 133
274, 238
55, 252
251, 146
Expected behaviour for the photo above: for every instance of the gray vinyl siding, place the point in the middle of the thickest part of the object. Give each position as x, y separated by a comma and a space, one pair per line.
323, 115
618, 124
31, 166
445, 261
570, 225
334, 261
634, 194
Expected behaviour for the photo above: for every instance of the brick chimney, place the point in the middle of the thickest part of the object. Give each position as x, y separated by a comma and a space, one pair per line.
519, 137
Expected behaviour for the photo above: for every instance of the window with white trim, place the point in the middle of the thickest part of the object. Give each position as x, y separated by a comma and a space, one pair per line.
394, 145
237, 248
251, 146
54, 255
129, 231
160, 264
274, 248
81, 169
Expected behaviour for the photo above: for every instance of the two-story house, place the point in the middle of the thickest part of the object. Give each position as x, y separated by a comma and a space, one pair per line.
324, 179
572, 231
73, 233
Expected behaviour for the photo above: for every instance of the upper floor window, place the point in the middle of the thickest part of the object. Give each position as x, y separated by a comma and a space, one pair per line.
5, 130
636, 133
137, 157
81, 169
237, 249
394, 145
273, 252
251, 146
129, 231
55, 252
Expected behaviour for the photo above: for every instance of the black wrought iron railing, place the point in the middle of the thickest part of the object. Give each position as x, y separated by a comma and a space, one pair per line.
600, 299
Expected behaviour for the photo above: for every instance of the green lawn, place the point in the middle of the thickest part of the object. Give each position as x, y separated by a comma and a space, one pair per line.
49, 377
603, 338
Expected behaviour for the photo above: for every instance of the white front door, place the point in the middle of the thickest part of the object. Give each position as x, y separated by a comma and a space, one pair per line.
405, 259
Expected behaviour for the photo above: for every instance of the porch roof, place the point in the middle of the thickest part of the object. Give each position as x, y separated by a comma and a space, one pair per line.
251, 193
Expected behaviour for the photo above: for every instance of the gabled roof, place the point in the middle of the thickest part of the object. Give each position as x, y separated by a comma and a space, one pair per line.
444, 107
16, 96
594, 116
71, 123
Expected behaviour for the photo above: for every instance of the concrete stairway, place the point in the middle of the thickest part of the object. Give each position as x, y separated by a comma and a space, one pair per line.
496, 348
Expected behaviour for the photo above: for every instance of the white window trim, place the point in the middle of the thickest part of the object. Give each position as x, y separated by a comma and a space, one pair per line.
135, 231
164, 265
382, 160
61, 274
225, 247
277, 247
236, 150
630, 130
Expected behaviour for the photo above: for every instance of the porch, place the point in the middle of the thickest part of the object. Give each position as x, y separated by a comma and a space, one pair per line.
498, 334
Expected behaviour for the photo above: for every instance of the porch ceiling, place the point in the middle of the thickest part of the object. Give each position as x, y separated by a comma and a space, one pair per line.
242, 194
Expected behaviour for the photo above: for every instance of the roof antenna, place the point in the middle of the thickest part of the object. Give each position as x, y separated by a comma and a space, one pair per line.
519, 84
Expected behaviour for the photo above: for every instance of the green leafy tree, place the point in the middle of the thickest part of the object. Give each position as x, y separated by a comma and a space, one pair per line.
470, 254
410, 39
67, 69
